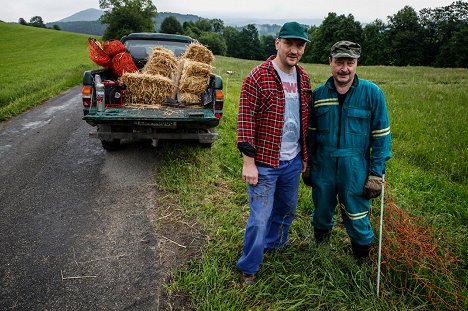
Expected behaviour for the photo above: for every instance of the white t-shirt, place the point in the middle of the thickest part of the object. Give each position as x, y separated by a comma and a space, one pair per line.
290, 146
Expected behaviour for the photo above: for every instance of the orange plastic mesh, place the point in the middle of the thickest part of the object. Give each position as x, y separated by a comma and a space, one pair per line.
114, 47
416, 259
97, 53
123, 62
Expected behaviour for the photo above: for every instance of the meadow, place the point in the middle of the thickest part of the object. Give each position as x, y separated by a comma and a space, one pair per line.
427, 177
37, 64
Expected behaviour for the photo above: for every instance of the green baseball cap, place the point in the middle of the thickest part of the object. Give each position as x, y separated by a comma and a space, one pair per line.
346, 49
293, 30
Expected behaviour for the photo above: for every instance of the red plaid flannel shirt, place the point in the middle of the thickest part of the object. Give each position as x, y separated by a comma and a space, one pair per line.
261, 112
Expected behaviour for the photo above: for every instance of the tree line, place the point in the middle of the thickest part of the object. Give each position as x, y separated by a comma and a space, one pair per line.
36, 21
431, 37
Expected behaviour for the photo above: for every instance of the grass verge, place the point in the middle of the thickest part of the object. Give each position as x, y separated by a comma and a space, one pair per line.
38, 64
208, 187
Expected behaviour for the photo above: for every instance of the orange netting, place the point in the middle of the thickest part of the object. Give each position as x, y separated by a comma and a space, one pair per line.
97, 53
123, 62
416, 259
114, 47
111, 54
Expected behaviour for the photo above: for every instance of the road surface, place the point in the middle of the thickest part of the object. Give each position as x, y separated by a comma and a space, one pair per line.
76, 221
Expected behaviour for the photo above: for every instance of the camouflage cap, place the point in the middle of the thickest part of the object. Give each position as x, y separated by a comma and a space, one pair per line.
346, 49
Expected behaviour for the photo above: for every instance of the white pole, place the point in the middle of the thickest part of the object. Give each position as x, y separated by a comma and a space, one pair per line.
380, 234
227, 81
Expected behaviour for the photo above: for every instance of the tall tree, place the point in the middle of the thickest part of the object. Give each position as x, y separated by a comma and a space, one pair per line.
249, 47
232, 38
217, 25
127, 16
333, 28
21, 21
36, 21
375, 49
267, 46
171, 25
444, 27
214, 41
406, 38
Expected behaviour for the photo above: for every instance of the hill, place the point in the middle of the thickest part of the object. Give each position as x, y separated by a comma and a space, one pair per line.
38, 64
88, 15
87, 21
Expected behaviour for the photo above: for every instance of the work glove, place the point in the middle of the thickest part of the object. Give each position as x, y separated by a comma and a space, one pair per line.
373, 187
306, 177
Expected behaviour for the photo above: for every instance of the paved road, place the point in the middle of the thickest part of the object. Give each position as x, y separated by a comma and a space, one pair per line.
75, 220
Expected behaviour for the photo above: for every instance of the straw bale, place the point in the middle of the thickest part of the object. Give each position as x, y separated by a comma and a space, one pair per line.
189, 98
146, 90
195, 85
161, 62
197, 69
199, 53
194, 80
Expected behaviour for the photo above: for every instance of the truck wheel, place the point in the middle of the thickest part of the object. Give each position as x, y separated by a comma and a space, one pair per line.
206, 145
111, 145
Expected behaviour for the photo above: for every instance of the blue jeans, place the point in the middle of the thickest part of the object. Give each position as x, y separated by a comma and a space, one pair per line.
273, 203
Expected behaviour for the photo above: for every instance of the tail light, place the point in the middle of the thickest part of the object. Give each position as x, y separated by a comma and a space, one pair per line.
86, 93
219, 103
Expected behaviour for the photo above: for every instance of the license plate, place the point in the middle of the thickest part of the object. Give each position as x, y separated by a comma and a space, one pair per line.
160, 124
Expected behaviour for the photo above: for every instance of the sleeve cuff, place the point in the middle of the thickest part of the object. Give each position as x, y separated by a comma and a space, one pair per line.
247, 149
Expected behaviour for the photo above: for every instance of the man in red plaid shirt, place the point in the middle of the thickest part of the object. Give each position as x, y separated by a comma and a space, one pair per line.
271, 129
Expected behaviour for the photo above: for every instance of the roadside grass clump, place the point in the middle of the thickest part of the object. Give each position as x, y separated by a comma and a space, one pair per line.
38, 64
208, 186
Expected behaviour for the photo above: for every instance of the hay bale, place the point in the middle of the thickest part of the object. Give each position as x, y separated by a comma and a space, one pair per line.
146, 90
194, 85
194, 79
189, 98
161, 62
199, 53
195, 69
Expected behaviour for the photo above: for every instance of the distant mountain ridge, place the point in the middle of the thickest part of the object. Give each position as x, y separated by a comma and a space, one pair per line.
87, 22
89, 15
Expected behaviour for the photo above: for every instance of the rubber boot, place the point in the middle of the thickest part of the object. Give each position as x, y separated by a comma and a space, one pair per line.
361, 252
322, 236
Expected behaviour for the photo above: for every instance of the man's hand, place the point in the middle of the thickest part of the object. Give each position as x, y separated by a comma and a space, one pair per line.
373, 187
249, 171
306, 177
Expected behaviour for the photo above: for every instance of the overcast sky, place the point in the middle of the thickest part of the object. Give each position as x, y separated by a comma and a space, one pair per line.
362, 10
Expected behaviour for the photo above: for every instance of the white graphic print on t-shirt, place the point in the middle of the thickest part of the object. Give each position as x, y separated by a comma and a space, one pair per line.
290, 146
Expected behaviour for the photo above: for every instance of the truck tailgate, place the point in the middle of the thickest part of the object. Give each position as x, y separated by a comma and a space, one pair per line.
151, 114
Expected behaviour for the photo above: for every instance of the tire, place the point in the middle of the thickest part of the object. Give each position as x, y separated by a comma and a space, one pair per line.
111, 145
206, 145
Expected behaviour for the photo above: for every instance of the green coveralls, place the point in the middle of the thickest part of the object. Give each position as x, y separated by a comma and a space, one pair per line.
347, 143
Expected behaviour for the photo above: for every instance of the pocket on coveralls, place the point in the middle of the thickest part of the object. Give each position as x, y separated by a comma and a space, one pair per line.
358, 121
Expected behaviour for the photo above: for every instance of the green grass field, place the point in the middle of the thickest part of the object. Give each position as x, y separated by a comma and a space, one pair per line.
37, 64
427, 176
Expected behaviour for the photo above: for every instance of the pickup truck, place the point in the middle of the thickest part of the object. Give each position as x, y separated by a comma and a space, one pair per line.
173, 120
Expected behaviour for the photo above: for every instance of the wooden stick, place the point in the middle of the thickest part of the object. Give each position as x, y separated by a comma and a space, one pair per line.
76, 277
173, 241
